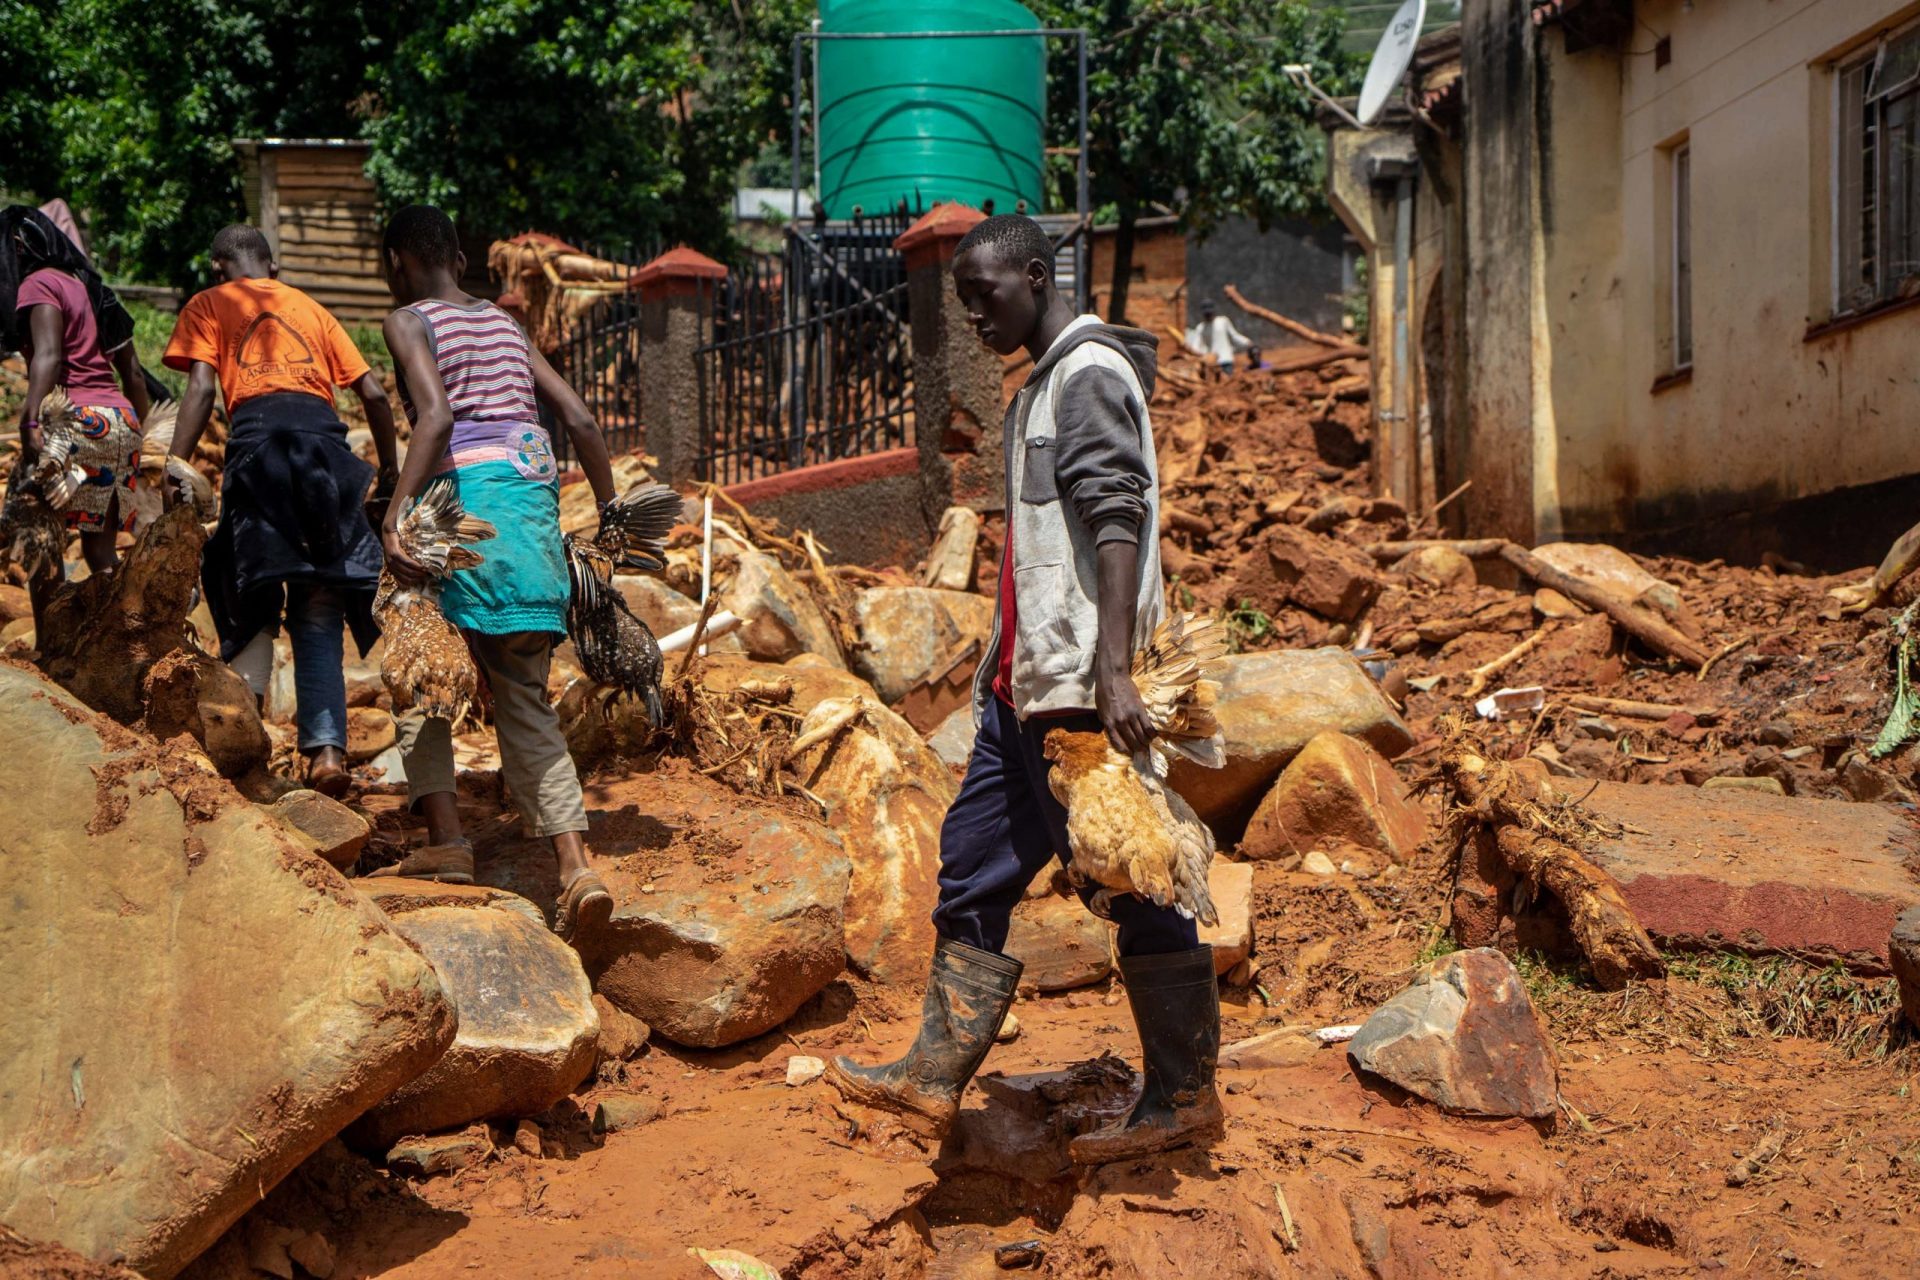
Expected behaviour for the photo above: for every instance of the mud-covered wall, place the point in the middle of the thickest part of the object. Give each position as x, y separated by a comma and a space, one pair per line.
1774, 409
1501, 257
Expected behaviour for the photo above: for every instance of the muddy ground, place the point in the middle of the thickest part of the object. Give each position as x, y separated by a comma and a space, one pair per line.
1742, 1117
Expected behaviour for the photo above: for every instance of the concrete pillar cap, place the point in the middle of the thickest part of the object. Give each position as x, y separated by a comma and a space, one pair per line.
932, 237
679, 270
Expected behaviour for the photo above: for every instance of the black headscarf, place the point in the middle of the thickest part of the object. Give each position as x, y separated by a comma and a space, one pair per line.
30, 240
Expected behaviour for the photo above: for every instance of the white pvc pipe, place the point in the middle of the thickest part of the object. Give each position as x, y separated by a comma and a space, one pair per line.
720, 624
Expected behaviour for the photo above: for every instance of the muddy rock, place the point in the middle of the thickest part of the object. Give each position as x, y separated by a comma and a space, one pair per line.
953, 740
886, 794
1441, 567
370, 731
1903, 949
912, 633
1338, 790
1319, 574
726, 948
527, 1024
15, 603
1465, 1036
327, 828
1231, 884
1061, 943
396, 895
812, 683
781, 618
189, 692
151, 1090
438, 1153
1271, 705
622, 1036
665, 610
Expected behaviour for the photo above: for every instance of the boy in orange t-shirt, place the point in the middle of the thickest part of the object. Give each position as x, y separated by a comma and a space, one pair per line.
293, 539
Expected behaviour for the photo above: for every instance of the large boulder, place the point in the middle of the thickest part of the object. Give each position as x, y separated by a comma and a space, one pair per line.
1231, 886
1338, 791
812, 683
886, 794
527, 1024
665, 610
781, 618
1464, 1035
1323, 575
189, 692
1271, 705
953, 740
1062, 944
726, 941
193, 1003
323, 826
911, 634
1903, 949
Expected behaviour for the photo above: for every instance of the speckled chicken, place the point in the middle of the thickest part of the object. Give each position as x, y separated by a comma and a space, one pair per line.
33, 532
616, 649
1127, 831
427, 665
159, 468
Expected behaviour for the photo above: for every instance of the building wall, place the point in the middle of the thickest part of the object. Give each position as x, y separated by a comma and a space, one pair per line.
1773, 410
1295, 267
320, 212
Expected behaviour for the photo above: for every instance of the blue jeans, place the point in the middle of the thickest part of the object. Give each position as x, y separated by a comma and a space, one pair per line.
1005, 826
316, 617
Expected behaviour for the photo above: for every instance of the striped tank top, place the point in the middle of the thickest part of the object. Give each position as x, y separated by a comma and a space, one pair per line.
483, 360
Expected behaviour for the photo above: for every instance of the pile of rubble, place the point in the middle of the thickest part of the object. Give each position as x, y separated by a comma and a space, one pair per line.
1527, 746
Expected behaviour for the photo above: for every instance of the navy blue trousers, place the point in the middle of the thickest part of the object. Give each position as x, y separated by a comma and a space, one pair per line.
1005, 826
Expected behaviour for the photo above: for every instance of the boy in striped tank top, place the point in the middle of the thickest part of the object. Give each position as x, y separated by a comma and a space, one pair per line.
472, 384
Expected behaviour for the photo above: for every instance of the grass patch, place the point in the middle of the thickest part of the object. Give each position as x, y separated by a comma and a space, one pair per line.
1246, 626
152, 327
1712, 1001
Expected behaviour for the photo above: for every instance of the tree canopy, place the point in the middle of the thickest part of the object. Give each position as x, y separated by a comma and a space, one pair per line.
1189, 112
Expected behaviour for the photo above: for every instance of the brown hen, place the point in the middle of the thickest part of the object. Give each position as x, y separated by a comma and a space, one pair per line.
427, 665
1127, 831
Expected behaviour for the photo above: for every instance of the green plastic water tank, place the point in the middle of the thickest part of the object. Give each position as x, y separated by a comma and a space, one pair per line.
946, 119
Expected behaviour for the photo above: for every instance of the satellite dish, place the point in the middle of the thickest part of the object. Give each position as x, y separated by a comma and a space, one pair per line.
1391, 58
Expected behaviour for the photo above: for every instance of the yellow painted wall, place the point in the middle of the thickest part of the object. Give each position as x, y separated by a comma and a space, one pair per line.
1767, 414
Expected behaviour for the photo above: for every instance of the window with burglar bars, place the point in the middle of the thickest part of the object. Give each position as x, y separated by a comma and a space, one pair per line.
1877, 200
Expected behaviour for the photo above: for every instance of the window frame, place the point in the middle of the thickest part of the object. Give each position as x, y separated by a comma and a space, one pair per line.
1680, 227
1846, 298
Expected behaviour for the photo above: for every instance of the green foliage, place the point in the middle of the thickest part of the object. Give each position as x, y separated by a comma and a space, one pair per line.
1246, 626
606, 119
128, 108
152, 328
1189, 112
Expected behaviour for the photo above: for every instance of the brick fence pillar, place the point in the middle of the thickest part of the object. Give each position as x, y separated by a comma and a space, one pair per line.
956, 378
675, 288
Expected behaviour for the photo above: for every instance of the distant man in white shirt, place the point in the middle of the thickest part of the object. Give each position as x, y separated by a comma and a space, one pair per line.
1215, 336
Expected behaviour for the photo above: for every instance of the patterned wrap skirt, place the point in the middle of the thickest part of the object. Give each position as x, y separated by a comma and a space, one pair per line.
109, 453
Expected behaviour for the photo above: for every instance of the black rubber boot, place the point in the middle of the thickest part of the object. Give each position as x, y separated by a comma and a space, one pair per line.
1176, 1007
968, 994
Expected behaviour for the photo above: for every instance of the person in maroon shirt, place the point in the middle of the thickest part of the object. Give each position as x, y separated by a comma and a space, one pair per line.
75, 335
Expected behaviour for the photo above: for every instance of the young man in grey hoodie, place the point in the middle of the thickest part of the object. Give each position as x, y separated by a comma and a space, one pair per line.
1079, 583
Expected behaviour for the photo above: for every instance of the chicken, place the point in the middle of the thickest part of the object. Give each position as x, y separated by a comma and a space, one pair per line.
427, 664
1127, 831
616, 649
159, 468
33, 534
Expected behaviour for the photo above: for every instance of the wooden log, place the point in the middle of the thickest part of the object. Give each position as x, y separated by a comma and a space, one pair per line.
1514, 803
1275, 318
1471, 548
1633, 710
1514, 614
1647, 627
1300, 364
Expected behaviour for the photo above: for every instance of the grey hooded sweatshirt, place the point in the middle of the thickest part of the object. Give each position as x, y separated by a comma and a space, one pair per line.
1080, 472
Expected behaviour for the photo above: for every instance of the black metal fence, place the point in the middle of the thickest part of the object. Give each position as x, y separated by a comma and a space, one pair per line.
808, 354
600, 356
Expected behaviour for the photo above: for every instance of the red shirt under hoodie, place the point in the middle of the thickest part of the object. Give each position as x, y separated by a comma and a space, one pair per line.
1003, 681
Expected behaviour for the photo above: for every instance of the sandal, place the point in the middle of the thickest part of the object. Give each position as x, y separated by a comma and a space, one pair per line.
584, 908
450, 863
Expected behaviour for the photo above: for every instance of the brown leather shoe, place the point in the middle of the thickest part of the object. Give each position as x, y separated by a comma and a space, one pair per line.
583, 910
450, 863
327, 772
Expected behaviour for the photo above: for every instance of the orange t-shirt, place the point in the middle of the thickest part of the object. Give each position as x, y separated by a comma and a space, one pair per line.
262, 336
